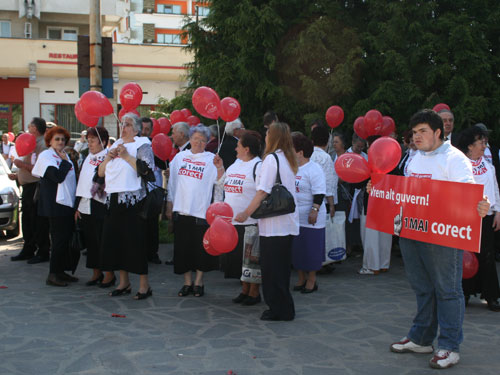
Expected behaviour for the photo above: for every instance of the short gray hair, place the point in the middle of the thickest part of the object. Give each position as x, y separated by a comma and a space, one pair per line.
202, 129
232, 126
136, 121
182, 127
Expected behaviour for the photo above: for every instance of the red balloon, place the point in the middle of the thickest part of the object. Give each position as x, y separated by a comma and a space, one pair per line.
164, 125
162, 146
388, 126
352, 167
440, 107
174, 152
156, 127
376, 177
230, 109
193, 120
206, 102
84, 117
11, 136
177, 116
96, 104
124, 111
470, 265
186, 112
25, 144
373, 122
223, 236
207, 246
334, 116
359, 127
219, 209
130, 96
384, 155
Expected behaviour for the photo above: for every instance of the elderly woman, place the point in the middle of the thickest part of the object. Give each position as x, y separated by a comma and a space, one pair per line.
57, 197
239, 189
129, 161
472, 142
308, 249
192, 177
91, 204
276, 233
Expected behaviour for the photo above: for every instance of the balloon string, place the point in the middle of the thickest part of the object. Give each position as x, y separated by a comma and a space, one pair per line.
100, 140
220, 140
118, 121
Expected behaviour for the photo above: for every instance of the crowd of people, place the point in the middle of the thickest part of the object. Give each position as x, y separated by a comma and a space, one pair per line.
101, 186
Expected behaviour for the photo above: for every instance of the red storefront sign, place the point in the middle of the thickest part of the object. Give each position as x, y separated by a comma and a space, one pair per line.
438, 212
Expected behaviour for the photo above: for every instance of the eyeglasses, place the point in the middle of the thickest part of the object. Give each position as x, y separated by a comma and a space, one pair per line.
57, 139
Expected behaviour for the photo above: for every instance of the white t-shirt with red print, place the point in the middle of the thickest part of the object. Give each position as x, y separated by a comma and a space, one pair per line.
309, 181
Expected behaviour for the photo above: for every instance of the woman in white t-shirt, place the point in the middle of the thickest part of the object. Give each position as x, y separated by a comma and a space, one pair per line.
192, 178
472, 142
276, 233
308, 249
239, 189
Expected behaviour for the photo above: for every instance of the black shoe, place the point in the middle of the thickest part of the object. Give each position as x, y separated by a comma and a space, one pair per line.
493, 305
109, 283
38, 259
306, 291
53, 280
139, 295
298, 288
250, 301
95, 281
241, 297
270, 316
21, 256
119, 292
169, 262
65, 277
198, 290
155, 260
185, 290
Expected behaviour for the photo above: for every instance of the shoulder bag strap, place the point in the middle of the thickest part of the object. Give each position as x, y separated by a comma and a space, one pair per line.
255, 169
278, 178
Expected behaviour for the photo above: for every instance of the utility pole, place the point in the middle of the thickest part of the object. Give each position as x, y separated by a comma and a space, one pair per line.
95, 45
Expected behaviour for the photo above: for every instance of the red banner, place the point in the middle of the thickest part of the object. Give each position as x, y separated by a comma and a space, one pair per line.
439, 212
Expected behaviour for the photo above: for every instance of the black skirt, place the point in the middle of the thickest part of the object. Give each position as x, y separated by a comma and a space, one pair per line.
123, 246
485, 282
189, 254
232, 262
91, 226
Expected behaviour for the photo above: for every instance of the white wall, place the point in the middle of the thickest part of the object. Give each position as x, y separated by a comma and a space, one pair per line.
31, 105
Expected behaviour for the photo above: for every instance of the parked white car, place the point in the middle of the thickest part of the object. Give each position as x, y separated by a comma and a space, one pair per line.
9, 202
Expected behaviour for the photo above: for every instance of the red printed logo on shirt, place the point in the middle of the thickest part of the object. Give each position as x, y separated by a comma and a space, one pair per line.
297, 183
192, 168
478, 167
234, 183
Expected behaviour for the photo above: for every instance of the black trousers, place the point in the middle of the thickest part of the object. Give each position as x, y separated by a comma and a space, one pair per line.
485, 282
61, 230
152, 237
276, 266
91, 226
35, 228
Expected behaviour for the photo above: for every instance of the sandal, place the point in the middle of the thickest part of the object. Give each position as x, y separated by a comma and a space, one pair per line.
140, 295
199, 290
119, 292
185, 290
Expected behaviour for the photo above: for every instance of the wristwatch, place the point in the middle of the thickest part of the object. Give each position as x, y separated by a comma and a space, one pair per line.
315, 208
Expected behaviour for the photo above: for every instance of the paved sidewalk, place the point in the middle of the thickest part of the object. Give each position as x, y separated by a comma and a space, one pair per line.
344, 328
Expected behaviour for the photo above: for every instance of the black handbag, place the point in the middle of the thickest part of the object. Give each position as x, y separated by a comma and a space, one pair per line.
76, 245
279, 202
153, 203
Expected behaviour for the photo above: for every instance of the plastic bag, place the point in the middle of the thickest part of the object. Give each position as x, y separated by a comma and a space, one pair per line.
335, 246
251, 255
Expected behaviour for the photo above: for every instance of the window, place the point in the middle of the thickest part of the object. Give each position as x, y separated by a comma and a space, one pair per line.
203, 11
64, 33
168, 38
169, 9
5, 29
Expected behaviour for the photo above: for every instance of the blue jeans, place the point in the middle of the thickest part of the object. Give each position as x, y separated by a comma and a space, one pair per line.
435, 275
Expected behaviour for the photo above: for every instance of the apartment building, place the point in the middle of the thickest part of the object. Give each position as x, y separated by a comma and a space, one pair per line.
38, 69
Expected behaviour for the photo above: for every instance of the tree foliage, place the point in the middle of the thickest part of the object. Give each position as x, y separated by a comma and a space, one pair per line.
298, 57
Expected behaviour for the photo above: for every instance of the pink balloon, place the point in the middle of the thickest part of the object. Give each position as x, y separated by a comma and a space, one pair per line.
373, 122
359, 127
230, 109
11, 136
470, 265
162, 146
440, 107
84, 117
334, 116
219, 209
96, 104
206, 102
207, 246
384, 155
388, 126
25, 144
186, 112
352, 167
130, 96
193, 120
177, 116
223, 236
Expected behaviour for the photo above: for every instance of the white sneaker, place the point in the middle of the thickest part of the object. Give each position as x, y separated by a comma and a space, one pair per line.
407, 346
444, 359
366, 271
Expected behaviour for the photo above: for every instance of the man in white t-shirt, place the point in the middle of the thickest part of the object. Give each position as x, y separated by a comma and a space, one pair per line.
434, 271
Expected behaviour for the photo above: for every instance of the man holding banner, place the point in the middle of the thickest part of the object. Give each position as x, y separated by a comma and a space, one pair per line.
433, 267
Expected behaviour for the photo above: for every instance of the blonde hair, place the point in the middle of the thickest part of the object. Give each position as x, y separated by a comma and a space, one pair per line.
279, 138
